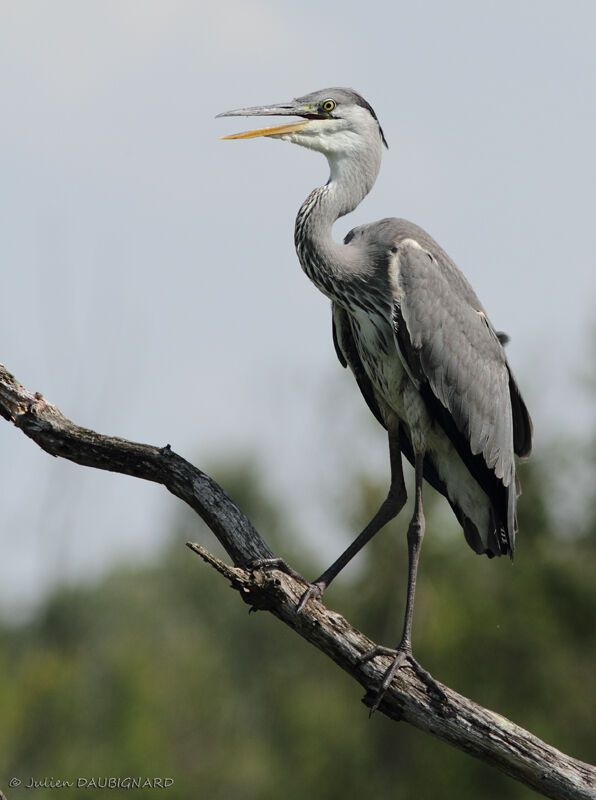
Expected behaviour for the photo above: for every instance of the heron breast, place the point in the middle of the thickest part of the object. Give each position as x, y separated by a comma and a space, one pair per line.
373, 337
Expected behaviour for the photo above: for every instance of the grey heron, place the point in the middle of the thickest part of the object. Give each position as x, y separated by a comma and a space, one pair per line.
405, 320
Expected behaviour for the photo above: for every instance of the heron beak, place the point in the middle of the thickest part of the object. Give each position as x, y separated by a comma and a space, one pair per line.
276, 130
287, 109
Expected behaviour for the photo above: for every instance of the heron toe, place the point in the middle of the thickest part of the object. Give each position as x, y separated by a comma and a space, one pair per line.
400, 655
315, 590
277, 563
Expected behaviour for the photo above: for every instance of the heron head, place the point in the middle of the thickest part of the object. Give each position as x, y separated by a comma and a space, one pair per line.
333, 121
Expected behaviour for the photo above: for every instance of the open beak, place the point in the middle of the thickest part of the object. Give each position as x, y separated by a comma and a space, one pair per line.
286, 110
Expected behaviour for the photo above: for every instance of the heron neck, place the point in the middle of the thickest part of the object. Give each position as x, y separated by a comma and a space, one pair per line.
326, 262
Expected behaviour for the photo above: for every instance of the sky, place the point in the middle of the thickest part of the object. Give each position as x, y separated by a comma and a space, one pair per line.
149, 284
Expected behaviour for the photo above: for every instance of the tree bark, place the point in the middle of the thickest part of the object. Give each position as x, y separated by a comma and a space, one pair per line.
411, 697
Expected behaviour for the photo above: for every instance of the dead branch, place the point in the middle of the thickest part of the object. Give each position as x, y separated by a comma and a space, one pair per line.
444, 713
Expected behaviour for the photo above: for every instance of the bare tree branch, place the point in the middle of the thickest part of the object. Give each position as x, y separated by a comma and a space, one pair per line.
432, 708
58, 436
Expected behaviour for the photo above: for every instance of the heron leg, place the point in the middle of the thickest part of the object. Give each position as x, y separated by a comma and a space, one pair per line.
390, 508
404, 649
415, 536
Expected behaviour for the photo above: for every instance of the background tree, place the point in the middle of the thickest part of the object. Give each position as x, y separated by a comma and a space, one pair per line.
157, 671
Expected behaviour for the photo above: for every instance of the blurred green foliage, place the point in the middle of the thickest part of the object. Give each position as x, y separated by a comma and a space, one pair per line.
158, 671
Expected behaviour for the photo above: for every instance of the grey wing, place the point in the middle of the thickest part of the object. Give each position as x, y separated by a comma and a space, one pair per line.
523, 430
347, 354
453, 353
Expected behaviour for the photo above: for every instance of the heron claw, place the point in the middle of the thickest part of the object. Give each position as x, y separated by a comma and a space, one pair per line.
277, 563
315, 590
400, 656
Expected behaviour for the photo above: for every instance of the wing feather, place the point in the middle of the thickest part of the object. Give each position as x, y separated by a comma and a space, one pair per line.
459, 362
455, 349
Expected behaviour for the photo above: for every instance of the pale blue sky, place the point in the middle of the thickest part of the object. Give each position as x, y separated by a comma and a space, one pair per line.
149, 283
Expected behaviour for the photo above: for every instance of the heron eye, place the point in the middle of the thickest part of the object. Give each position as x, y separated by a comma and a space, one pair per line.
328, 105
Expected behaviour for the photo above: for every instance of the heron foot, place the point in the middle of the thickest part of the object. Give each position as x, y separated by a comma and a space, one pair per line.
277, 563
400, 655
315, 590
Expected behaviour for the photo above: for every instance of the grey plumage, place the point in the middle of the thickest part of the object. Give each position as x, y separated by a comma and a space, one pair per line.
428, 361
